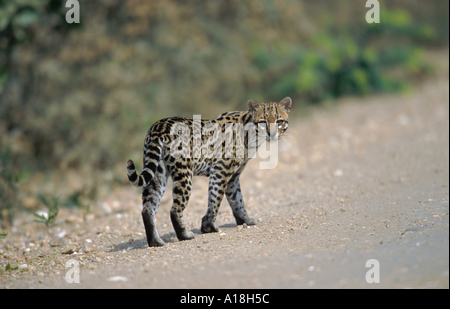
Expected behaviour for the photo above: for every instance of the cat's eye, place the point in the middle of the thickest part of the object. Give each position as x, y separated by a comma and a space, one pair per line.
262, 123
281, 122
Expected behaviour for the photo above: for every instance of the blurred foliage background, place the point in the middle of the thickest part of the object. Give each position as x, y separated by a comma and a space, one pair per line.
77, 99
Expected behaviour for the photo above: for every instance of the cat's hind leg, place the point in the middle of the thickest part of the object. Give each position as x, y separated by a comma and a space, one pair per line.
151, 198
182, 184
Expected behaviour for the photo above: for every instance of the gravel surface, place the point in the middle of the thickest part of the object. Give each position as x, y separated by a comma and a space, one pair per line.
355, 182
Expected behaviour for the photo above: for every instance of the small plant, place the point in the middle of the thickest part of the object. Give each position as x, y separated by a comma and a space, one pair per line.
3, 234
52, 205
86, 212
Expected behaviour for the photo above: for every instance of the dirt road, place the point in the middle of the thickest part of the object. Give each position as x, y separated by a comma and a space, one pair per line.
357, 182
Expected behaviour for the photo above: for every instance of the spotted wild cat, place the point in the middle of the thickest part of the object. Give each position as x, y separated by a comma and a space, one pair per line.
219, 149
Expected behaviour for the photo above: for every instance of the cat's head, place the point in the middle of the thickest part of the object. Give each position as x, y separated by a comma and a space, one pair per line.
271, 118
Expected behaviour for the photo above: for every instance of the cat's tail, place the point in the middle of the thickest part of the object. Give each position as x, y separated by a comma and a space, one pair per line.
135, 179
151, 159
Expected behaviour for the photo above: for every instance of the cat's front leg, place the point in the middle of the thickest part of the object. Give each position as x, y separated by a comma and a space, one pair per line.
236, 201
216, 190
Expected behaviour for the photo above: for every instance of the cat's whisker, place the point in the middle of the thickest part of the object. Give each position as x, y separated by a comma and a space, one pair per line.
286, 141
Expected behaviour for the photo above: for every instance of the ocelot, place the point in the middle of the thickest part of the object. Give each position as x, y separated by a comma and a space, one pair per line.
220, 154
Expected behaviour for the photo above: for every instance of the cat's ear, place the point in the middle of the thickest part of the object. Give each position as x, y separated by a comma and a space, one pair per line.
253, 106
286, 104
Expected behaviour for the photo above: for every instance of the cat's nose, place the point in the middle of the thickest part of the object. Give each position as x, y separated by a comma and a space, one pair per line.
272, 134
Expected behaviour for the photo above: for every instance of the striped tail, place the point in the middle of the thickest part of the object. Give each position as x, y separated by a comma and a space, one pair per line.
144, 178
135, 180
151, 158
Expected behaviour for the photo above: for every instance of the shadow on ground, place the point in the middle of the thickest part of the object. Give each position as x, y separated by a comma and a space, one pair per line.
133, 244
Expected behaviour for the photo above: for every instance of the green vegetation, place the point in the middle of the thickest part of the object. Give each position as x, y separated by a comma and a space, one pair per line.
52, 204
76, 100
17, 18
3, 234
339, 62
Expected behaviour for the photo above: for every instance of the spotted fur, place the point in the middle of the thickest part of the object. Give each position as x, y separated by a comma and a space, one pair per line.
223, 171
